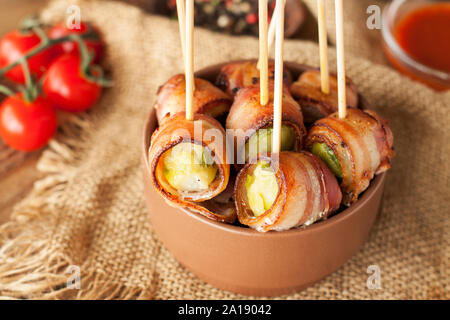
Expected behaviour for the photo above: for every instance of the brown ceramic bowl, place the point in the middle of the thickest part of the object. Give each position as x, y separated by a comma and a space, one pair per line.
245, 261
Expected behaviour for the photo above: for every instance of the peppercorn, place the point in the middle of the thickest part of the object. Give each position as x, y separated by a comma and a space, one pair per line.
229, 16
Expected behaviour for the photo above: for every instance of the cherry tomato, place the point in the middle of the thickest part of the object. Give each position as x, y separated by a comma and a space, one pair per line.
14, 45
61, 30
65, 86
26, 125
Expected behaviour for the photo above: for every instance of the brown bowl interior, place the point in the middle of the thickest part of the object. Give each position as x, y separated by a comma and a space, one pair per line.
245, 261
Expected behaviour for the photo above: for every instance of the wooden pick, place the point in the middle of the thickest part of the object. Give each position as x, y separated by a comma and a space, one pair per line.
278, 94
263, 53
342, 98
189, 66
271, 34
181, 12
323, 45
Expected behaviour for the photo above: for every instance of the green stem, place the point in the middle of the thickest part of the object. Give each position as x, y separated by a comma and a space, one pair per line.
30, 91
42, 35
29, 23
86, 57
6, 91
26, 72
87, 67
99, 78
43, 46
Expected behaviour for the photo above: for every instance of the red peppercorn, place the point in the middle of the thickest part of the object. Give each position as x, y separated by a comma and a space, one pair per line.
251, 18
172, 4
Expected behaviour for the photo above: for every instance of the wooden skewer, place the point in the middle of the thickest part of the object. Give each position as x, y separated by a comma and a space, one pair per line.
271, 34
181, 12
340, 59
263, 53
272, 28
324, 72
189, 66
278, 94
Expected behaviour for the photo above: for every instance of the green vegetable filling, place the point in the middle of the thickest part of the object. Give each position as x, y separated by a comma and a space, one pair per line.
261, 141
262, 188
327, 155
189, 167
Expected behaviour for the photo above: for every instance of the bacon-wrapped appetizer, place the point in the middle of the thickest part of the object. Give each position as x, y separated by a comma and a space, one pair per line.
189, 165
301, 191
315, 104
208, 99
238, 75
252, 124
355, 148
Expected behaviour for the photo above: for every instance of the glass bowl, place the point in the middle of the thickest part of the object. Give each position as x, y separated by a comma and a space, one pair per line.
393, 13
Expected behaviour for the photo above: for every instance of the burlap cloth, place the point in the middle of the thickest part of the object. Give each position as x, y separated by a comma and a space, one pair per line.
89, 209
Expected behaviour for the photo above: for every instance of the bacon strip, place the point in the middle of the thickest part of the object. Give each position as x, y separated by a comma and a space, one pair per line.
223, 204
238, 75
207, 132
208, 99
315, 104
362, 143
308, 192
247, 116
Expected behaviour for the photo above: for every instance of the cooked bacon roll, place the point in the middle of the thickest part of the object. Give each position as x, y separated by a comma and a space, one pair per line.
208, 99
238, 75
315, 104
252, 124
355, 148
188, 163
298, 192
223, 204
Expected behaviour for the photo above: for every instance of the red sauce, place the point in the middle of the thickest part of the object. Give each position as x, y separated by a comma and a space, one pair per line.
425, 35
